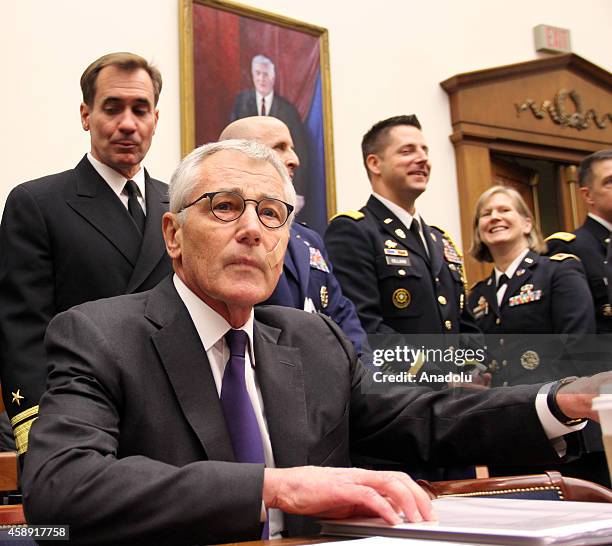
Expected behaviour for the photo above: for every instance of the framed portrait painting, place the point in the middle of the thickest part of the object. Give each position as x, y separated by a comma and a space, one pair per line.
238, 61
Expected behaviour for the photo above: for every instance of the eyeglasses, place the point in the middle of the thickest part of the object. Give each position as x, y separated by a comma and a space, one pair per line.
228, 206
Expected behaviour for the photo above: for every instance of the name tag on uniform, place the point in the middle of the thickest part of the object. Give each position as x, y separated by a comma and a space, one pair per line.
397, 260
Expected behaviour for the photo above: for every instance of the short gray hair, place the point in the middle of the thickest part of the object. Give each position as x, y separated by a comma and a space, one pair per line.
262, 59
187, 175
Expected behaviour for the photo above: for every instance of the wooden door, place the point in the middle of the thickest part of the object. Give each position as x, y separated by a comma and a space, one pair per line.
572, 208
522, 179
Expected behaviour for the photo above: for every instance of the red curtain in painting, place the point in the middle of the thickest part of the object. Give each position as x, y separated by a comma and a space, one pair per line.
225, 43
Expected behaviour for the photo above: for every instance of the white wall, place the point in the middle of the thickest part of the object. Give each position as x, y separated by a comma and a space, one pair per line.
387, 57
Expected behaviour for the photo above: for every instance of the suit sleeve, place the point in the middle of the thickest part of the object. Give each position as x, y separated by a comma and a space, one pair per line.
353, 256
27, 289
74, 473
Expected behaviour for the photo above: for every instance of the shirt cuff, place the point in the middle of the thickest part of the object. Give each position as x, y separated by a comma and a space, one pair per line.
263, 515
553, 428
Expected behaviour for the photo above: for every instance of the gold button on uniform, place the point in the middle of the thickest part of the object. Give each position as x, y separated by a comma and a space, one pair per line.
441, 300
448, 324
401, 272
497, 320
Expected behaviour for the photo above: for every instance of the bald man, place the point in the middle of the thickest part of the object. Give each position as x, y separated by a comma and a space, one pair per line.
308, 281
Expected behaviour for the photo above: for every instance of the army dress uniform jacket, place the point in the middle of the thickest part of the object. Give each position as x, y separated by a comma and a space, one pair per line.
386, 273
66, 239
591, 243
308, 275
544, 297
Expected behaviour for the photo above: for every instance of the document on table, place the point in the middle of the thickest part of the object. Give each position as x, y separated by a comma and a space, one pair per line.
496, 521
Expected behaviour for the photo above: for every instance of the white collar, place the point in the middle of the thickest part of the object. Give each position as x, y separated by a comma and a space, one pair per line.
603, 222
511, 269
209, 324
402, 214
114, 179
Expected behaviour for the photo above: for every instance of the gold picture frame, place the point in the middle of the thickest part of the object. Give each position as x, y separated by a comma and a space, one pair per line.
218, 40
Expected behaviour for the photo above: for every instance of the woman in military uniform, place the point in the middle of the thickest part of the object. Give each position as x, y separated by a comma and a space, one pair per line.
525, 305
528, 298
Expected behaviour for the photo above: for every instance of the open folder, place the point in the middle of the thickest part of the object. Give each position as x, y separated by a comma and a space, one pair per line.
495, 521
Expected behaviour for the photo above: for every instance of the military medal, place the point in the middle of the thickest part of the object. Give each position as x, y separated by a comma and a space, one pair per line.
530, 360
401, 298
324, 296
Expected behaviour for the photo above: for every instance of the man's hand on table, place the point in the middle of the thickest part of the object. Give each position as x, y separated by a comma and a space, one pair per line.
346, 492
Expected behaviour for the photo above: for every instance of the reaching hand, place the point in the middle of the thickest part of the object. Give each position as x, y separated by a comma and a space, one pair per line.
345, 492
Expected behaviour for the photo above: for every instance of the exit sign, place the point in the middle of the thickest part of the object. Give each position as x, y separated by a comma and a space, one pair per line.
552, 39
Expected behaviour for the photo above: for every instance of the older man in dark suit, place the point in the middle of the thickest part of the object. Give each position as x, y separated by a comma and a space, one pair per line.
84, 234
182, 416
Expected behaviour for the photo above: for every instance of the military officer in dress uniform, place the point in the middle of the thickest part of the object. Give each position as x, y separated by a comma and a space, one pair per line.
526, 300
308, 281
592, 241
403, 275
526, 294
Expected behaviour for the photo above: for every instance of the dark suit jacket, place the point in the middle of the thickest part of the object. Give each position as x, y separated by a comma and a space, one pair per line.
308, 273
66, 239
531, 348
591, 243
131, 444
245, 106
408, 293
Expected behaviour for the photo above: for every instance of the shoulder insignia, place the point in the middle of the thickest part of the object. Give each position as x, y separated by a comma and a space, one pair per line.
354, 214
561, 236
563, 256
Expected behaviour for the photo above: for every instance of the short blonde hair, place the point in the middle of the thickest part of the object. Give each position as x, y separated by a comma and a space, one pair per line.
535, 241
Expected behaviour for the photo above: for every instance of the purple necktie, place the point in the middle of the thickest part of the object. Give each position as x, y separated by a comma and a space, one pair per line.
263, 106
237, 408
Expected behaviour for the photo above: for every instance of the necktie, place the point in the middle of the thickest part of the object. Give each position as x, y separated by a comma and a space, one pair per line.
263, 106
415, 229
237, 408
502, 285
134, 207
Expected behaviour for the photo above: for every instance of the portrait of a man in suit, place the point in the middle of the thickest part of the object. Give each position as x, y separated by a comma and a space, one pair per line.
261, 100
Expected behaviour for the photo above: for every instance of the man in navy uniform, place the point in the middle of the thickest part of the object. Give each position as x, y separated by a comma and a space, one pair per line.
308, 281
591, 242
87, 233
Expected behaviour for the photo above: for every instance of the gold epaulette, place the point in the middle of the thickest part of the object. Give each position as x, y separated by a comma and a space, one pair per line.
561, 236
21, 423
563, 256
354, 214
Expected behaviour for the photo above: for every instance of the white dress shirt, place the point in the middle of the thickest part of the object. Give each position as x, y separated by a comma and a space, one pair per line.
603, 222
117, 181
267, 100
211, 328
510, 271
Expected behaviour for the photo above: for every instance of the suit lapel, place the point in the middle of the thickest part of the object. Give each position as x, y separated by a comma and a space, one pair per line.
98, 204
280, 378
436, 249
152, 248
394, 227
184, 359
490, 293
